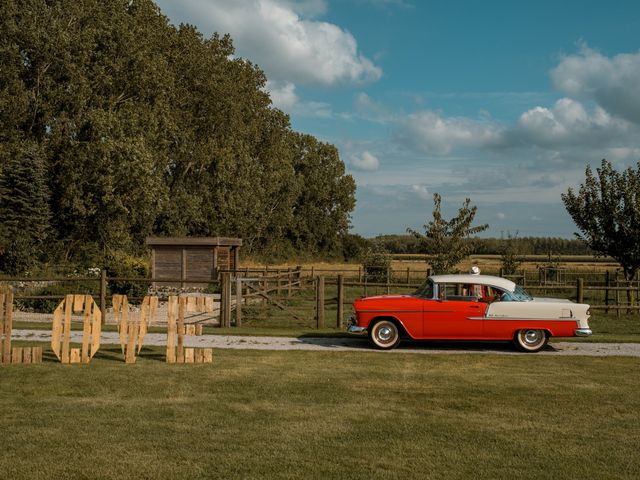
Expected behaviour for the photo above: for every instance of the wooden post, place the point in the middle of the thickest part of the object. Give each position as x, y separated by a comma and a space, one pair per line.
607, 283
320, 302
278, 285
66, 329
6, 326
171, 329
340, 295
238, 301
580, 290
359, 274
617, 296
103, 294
289, 281
225, 306
388, 279
408, 275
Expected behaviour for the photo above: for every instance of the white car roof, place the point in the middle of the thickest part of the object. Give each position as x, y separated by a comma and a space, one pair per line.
490, 280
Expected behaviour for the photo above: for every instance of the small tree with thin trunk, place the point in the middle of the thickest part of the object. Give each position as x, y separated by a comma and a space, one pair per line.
606, 210
448, 241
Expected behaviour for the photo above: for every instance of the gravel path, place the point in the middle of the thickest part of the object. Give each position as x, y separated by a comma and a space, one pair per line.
354, 344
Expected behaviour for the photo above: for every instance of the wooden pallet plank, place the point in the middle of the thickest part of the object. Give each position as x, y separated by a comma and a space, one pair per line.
153, 307
132, 331
66, 328
16, 355
56, 329
171, 329
207, 355
78, 303
198, 355
182, 305
74, 355
36, 354
199, 329
86, 329
6, 313
26, 355
208, 304
96, 328
189, 355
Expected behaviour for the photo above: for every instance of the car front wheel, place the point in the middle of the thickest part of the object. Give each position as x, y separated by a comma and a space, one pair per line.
384, 335
530, 340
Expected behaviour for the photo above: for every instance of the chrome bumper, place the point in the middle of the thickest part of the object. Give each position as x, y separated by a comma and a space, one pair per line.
352, 327
583, 332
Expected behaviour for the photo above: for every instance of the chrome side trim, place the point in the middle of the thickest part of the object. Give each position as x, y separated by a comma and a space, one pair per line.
528, 319
583, 332
392, 311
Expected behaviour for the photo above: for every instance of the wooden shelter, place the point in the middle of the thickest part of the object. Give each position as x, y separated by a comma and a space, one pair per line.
188, 258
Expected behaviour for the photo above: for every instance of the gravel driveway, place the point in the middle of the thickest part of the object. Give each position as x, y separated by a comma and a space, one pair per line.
355, 344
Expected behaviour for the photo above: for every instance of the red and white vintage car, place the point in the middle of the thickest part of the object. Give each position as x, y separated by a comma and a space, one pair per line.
469, 307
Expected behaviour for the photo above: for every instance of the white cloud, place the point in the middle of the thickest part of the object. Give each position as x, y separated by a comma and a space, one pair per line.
279, 37
614, 83
366, 162
421, 191
283, 94
429, 132
568, 122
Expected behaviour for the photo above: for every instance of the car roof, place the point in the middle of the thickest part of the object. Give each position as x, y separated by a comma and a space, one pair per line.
490, 280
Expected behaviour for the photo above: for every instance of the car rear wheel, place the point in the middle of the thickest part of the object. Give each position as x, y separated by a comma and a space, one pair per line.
530, 340
384, 335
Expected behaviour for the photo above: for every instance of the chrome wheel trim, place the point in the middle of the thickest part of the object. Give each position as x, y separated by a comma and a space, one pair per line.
385, 334
533, 337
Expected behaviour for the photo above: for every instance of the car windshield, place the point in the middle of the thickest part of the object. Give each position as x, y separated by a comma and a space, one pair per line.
425, 291
518, 295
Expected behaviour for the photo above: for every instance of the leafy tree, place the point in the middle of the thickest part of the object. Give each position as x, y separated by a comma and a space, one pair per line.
606, 210
448, 241
376, 264
24, 209
510, 259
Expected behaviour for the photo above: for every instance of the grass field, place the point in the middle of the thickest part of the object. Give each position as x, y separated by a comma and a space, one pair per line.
322, 415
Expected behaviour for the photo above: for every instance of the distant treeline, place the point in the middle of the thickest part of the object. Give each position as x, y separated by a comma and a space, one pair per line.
116, 125
520, 245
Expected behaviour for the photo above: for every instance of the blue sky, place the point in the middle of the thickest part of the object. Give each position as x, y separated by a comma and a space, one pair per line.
504, 102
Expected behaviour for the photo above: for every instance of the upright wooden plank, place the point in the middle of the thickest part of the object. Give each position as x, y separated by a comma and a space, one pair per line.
2, 314
78, 303
145, 310
36, 354
189, 355
153, 307
116, 303
200, 304
191, 304
66, 328
171, 329
86, 329
197, 355
16, 355
182, 306
56, 329
208, 304
207, 355
124, 322
199, 329
96, 329
26, 355
132, 330
74, 356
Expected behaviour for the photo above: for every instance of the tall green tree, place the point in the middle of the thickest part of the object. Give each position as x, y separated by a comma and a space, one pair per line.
606, 210
24, 209
448, 242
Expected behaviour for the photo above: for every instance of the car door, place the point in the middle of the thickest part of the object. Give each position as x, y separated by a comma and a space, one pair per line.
453, 317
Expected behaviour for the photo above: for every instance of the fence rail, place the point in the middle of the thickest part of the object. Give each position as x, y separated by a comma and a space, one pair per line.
316, 294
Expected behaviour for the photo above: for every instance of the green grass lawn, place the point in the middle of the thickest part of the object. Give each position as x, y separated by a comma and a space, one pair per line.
293, 414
